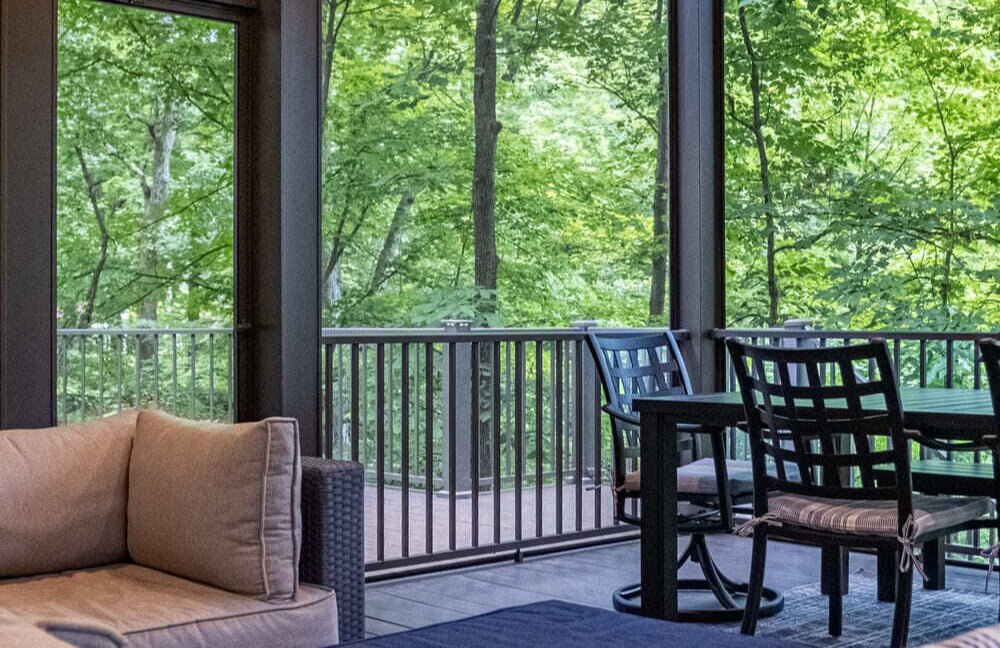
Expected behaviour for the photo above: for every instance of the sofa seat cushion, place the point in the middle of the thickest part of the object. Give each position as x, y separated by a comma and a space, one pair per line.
153, 609
63, 496
216, 503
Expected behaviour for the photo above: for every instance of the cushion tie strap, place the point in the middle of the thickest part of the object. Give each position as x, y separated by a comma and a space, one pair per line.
992, 554
909, 549
745, 530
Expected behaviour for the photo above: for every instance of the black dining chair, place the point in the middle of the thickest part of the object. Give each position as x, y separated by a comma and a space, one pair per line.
633, 366
836, 429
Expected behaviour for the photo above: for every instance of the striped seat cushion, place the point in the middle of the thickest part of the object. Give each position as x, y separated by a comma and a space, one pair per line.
698, 478
878, 517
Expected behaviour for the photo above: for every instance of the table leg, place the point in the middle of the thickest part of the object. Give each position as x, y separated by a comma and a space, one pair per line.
658, 447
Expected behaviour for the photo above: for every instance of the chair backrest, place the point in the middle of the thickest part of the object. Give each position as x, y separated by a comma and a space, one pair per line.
632, 366
990, 351
830, 425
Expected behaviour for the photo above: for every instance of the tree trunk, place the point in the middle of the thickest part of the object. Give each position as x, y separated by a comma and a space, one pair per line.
773, 293
94, 193
658, 270
487, 128
390, 245
162, 134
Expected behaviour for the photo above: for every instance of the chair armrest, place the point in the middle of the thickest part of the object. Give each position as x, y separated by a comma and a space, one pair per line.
333, 537
614, 412
985, 442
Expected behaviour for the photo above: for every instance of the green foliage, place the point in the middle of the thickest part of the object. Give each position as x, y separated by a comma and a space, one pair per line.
878, 121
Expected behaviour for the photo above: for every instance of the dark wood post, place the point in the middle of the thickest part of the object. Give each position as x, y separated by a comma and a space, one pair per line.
697, 190
278, 266
27, 213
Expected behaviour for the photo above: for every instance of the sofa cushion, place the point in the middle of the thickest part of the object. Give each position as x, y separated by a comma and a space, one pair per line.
150, 608
217, 503
16, 632
63, 494
81, 633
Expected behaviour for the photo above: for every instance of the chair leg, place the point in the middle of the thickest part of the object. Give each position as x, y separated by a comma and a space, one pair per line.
901, 618
832, 558
756, 585
712, 575
836, 613
933, 556
887, 566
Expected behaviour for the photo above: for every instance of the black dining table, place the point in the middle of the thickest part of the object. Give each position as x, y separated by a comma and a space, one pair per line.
957, 414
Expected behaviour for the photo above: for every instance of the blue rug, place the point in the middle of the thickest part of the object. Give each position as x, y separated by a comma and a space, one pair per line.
557, 624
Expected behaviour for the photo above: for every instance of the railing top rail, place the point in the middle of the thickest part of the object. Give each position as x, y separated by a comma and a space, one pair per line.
800, 334
417, 335
145, 331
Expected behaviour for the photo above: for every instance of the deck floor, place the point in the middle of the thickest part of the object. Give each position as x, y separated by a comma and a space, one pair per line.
393, 517
585, 576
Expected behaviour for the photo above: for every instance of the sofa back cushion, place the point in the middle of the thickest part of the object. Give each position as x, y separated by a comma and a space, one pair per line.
63, 496
217, 503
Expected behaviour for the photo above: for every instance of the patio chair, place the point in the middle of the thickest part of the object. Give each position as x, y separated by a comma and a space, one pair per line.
633, 366
836, 429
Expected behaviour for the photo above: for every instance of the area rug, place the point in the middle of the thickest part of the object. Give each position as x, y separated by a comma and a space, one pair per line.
936, 615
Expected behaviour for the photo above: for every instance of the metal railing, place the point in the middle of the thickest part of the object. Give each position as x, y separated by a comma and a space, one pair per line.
476, 441
186, 371
949, 360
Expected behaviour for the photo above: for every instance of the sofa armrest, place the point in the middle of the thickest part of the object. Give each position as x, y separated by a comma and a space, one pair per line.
333, 537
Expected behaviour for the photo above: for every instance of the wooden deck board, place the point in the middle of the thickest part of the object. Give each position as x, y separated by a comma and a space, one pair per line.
393, 520
585, 576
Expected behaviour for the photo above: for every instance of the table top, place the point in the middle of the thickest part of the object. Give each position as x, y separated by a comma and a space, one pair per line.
959, 413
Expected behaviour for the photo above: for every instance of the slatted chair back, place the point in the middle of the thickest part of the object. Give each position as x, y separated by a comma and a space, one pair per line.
990, 351
833, 427
633, 366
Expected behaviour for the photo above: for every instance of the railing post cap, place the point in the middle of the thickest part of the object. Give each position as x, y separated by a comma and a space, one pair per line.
583, 325
456, 324
798, 324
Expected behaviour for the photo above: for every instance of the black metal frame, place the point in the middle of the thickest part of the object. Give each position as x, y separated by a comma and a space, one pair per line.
277, 319
787, 422
650, 365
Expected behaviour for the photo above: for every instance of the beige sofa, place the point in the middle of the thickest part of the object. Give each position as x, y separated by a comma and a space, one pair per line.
144, 530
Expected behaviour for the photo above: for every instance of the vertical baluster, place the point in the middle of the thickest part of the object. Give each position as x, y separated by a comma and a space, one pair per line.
539, 431
156, 370
137, 397
896, 353
231, 339
949, 352
391, 422
363, 378
429, 447
923, 363
328, 399
495, 413
380, 450
211, 375
100, 373
65, 379
340, 401
194, 375
474, 445
452, 432
83, 377
508, 392
558, 445
120, 348
578, 429
405, 448
977, 370
173, 371
355, 402
598, 442
518, 437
